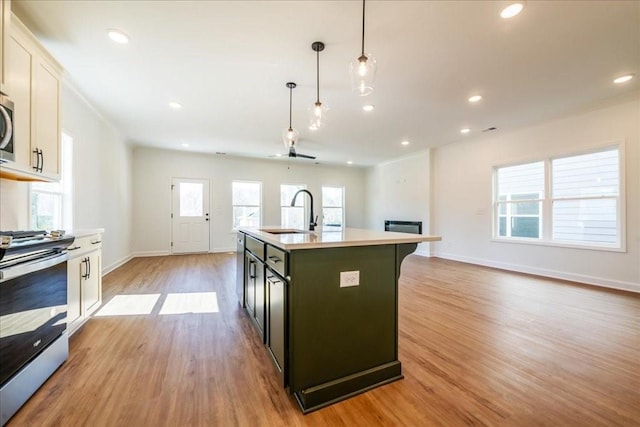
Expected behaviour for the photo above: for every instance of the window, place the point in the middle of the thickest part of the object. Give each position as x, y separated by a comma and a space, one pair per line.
586, 198
332, 208
520, 193
569, 201
51, 203
246, 201
292, 216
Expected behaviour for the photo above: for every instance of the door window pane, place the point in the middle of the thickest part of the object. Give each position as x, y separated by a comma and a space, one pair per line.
191, 194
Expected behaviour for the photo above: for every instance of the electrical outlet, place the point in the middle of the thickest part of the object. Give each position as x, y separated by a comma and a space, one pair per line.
349, 278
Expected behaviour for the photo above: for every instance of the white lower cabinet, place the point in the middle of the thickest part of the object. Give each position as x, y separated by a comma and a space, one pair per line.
84, 279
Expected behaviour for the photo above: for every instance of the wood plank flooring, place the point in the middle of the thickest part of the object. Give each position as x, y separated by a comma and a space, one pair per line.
479, 347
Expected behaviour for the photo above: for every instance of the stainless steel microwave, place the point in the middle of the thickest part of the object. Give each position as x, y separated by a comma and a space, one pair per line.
7, 151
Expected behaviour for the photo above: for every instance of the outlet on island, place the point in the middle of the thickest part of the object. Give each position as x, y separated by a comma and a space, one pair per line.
349, 278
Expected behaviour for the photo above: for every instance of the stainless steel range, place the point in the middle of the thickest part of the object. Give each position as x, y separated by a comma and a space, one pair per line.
33, 313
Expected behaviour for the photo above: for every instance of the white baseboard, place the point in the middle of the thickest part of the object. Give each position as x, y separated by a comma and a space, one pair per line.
580, 278
116, 264
149, 253
220, 250
422, 252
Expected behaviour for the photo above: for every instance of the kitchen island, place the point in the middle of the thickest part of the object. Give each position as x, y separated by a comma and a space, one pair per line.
326, 306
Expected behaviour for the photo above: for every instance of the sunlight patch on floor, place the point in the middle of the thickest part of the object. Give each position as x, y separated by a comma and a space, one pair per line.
192, 302
174, 303
129, 305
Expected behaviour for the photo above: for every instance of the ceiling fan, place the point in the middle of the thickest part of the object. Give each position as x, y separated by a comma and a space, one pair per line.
292, 153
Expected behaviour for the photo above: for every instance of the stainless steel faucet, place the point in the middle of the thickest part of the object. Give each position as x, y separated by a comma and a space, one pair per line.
312, 222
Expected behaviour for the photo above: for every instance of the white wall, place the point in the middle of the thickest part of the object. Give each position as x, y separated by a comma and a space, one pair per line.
101, 177
462, 198
154, 169
101, 182
400, 190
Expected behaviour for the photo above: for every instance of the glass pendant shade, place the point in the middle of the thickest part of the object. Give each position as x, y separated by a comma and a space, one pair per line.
290, 137
290, 134
317, 115
317, 110
363, 74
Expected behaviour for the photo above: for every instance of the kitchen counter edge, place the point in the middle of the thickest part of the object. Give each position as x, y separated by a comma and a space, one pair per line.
349, 237
84, 232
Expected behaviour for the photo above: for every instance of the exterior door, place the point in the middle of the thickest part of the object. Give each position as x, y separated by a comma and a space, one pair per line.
190, 215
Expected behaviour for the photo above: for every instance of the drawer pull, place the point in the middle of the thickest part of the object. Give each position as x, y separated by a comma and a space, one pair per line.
74, 248
96, 242
274, 259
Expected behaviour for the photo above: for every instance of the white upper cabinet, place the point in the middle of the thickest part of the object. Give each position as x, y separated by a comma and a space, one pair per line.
32, 81
5, 8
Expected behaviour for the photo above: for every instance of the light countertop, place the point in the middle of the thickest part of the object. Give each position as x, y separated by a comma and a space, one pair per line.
83, 232
333, 239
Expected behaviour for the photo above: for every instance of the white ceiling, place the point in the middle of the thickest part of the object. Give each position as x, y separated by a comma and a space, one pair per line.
227, 63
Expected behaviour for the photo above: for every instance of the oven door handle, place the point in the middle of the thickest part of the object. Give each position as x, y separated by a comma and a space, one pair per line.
32, 266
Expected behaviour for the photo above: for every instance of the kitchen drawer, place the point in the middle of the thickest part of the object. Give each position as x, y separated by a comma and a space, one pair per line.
84, 244
255, 246
277, 260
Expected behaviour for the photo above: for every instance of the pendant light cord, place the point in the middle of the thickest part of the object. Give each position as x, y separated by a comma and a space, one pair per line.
290, 101
318, 76
363, 27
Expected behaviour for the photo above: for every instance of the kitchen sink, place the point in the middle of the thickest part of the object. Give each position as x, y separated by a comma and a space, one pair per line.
284, 231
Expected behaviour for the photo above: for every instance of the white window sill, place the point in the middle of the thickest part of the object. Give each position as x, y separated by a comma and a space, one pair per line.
540, 242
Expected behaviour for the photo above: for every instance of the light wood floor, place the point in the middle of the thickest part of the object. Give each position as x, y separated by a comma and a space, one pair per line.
478, 346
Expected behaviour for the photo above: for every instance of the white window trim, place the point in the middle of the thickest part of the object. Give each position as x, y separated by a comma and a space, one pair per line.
342, 207
235, 229
547, 204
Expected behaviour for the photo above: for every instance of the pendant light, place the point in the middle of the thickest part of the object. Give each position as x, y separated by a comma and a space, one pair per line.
363, 69
290, 135
318, 110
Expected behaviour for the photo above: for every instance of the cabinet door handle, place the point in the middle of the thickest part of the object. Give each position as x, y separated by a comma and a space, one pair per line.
41, 155
86, 269
252, 269
89, 264
37, 166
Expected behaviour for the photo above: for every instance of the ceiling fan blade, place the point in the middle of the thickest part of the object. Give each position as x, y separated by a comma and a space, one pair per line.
304, 156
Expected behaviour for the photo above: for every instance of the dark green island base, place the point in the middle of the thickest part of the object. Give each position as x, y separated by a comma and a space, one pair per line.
328, 342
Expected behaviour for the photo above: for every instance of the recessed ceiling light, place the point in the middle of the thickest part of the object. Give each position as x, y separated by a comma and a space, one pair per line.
511, 10
175, 105
278, 155
623, 79
118, 36
368, 107
184, 144
349, 162
475, 98
313, 127
465, 130
405, 143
